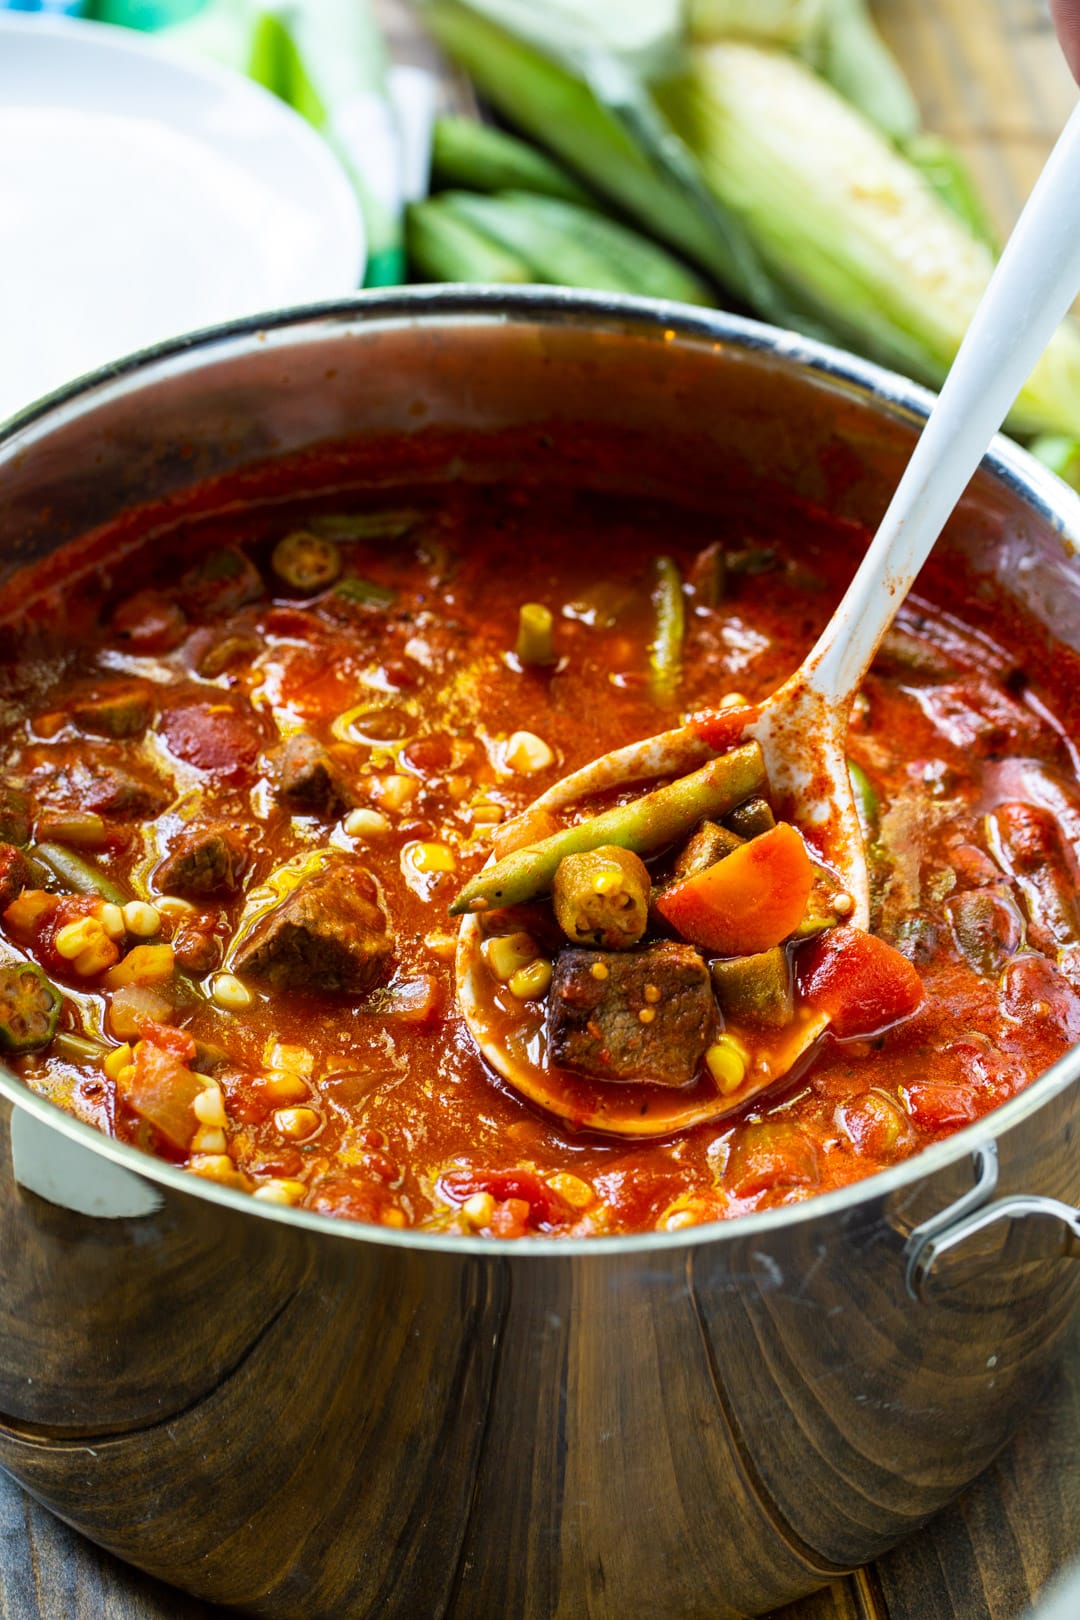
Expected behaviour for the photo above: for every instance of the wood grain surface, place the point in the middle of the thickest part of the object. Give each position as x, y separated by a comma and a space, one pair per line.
989, 76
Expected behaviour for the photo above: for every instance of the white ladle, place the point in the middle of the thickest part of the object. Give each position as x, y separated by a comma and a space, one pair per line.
802, 727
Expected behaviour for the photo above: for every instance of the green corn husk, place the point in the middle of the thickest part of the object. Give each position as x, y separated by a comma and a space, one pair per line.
1061, 455
443, 247
944, 168
794, 25
596, 117
852, 231
576, 247
479, 158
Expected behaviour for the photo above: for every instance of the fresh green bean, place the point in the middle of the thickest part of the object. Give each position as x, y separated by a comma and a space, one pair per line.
752, 819
79, 1048
666, 648
535, 642
80, 875
644, 825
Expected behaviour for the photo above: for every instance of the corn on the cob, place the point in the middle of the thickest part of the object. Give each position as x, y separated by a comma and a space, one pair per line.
443, 247
853, 230
791, 24
478, 158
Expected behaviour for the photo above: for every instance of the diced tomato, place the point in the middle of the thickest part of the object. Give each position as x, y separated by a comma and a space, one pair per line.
765, 1156
936, 1107
217, 737
543, 1206
351, 1200
161, 1090
176, 1041
529, 828
151, 622
863, 984
747, 902
510, 1219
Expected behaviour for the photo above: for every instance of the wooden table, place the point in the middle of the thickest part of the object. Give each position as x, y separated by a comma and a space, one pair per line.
990, 78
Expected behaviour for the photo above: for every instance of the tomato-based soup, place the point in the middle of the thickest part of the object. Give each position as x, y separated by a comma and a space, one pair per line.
249, 760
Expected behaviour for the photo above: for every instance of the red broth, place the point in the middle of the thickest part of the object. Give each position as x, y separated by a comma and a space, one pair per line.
144, 709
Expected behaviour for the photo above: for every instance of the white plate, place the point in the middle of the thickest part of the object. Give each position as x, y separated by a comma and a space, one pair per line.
144, 194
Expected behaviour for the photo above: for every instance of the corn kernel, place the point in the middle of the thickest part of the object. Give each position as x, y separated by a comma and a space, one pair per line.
459, 787
296, 1122
141, 919
208, 1139
676, 1219
732, 700
76, 937
651, 993
121, 1057
479, 1209
282, 1085
143, 964
487, 815
430, 857
395, 792
289, 1056
599, 970
230, 994
365, 824
218, 1167
506, 954
393, 1217
442, 946
646, 1015
112, 921
577, 1193
527, 753
529, 983
96, 957
283, 1191
209, 1108
726, 1062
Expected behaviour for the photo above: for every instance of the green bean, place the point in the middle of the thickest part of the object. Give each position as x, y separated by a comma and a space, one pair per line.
366, 592
364, 525
708, 575
79, 1048
78, 874
866, 800
535, 642
644, 825
666, 649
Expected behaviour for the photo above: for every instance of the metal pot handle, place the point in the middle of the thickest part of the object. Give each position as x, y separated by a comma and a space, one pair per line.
978, 1233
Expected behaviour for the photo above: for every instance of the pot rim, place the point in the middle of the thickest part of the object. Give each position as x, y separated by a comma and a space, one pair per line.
894, 396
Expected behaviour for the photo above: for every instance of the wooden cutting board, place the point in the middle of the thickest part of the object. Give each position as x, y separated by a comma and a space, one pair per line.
989, 76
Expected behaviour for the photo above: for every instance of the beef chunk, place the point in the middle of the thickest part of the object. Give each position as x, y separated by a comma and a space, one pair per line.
100, 779
119, 709
310, 779
205, 859
594, 1022
330, 933
14, 874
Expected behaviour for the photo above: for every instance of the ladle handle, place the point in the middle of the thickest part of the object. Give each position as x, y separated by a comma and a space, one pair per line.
1032, 287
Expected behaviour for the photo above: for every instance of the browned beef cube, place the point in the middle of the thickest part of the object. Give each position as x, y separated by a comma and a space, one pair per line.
13, 874
118, 709
330, 933
205, 859
631, 1015
310, 779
